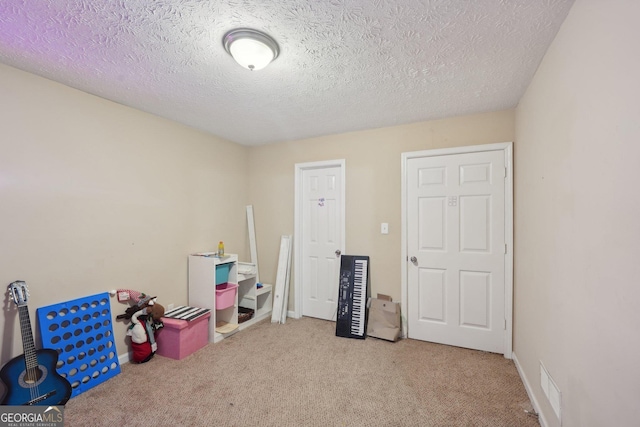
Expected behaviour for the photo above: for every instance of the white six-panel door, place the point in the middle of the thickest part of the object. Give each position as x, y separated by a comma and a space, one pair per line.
321, 238
455, 206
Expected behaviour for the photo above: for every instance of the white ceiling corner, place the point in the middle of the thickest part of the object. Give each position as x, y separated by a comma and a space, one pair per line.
344, 65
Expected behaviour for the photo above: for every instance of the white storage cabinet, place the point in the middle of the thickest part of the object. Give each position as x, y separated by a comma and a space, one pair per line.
204, 274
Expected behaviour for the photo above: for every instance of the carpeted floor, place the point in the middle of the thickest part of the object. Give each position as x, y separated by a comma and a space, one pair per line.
301, 374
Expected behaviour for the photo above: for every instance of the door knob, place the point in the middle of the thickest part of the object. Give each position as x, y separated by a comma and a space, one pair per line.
338, 253
414, 260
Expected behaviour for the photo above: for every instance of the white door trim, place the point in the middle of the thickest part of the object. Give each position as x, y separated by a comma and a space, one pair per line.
507, 147
297, 265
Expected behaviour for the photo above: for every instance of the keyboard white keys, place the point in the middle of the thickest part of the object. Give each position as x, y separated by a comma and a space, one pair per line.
359, 290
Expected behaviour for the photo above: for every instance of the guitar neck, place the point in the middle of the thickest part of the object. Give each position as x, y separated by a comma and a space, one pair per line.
29, 348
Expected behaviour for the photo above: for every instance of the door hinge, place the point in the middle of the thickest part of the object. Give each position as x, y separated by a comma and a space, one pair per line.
505, 324
505, 249
505, 172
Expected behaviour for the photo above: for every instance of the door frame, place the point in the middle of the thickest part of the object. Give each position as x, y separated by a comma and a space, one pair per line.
507, 148
297, 235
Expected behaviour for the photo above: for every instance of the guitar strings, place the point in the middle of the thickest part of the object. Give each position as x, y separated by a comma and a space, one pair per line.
31, 359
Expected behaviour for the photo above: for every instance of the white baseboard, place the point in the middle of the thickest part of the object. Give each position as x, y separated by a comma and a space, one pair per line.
527, 386
124, 358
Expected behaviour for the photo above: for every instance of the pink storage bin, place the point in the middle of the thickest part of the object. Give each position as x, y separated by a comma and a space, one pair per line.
225, 295
179, 338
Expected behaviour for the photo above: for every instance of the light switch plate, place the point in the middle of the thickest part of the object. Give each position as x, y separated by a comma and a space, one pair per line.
384, 228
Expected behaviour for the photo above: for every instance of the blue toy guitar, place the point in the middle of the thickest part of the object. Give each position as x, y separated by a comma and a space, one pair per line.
31, 378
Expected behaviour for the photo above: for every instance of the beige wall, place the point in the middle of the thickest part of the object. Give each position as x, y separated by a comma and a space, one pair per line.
372, 185
577, 218
95, 196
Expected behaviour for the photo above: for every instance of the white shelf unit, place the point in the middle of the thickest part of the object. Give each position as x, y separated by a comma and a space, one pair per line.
254, 298
202, 292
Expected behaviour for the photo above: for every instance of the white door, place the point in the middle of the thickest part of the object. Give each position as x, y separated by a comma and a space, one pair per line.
456, 249
320, 199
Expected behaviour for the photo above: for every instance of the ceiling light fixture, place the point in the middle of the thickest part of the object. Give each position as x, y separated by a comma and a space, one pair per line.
252, 49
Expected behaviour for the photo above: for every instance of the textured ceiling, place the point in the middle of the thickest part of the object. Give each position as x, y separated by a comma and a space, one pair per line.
344, 65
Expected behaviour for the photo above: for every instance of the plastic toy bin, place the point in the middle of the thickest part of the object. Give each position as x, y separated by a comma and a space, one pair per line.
225, 295
222, 273
180, 338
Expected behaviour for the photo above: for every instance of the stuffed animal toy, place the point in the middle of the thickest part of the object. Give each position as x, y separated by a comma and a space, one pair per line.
145, 315
144, 323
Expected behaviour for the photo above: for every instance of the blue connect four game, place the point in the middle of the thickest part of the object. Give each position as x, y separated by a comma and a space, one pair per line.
81, 331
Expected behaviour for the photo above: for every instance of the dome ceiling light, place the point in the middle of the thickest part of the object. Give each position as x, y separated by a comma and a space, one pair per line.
252, 49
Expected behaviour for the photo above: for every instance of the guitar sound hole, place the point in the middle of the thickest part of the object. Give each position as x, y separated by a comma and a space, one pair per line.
33, 376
